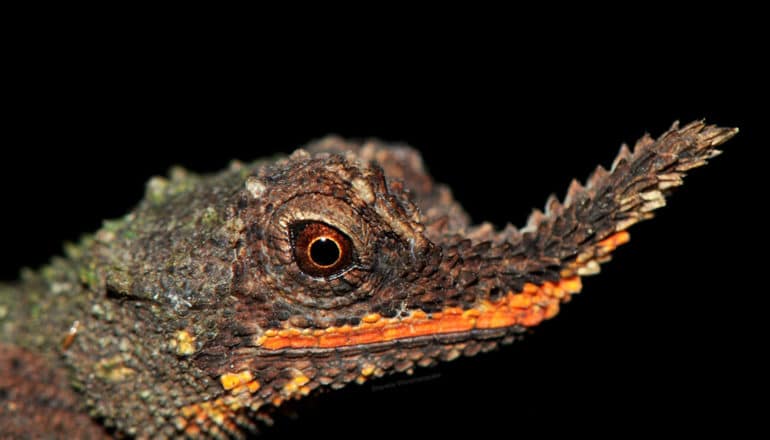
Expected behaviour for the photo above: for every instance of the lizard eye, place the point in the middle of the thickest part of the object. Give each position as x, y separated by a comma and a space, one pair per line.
321, 250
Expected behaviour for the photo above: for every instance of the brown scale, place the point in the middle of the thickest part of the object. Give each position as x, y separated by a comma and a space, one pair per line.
36, 400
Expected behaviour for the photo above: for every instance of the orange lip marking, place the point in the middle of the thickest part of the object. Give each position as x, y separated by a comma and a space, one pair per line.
528, 308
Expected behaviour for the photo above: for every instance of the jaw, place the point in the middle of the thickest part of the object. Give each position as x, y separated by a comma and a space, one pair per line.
512, 312
288, 364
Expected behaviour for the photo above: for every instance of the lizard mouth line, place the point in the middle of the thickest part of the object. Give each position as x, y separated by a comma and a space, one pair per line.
526, 309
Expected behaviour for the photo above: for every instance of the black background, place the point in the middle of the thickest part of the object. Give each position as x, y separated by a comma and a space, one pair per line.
664, 340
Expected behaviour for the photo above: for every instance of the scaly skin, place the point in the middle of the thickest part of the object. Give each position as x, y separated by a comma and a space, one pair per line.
203, 309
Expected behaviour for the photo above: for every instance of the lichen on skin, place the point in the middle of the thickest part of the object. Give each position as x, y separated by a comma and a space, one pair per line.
183, 343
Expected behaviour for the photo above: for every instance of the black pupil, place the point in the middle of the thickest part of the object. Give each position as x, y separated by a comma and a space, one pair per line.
324, 252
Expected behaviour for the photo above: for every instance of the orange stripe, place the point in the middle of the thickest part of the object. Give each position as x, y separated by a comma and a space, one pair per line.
528, 308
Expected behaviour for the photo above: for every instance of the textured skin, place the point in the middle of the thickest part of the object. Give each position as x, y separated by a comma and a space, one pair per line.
191, 317
35, 397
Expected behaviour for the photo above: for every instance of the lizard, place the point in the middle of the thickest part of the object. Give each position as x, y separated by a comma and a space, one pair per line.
220, 297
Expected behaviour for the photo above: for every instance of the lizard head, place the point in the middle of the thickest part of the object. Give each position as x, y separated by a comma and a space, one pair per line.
340, 263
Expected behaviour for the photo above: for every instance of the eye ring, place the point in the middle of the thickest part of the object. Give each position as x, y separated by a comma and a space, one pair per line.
321, 250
